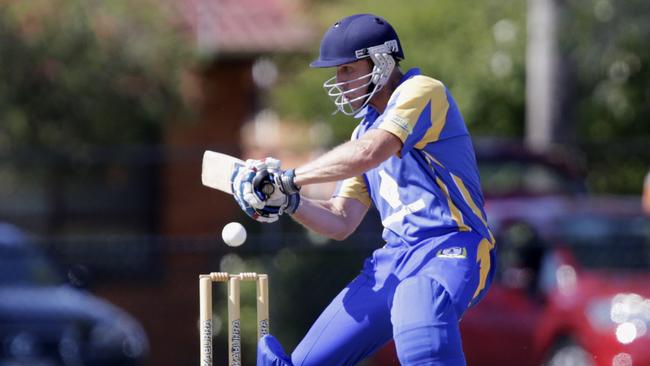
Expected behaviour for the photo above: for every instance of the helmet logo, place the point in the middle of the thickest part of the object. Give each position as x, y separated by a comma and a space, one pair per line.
388, 47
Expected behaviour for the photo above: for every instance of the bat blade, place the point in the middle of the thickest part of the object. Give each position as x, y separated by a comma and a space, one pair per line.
217, 170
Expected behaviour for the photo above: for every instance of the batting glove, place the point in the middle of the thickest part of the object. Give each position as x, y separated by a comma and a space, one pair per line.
275, 187
242, 188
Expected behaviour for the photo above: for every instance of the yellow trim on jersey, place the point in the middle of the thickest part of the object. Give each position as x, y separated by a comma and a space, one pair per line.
456, 215
470, 202
483, 259
468, 197
355, 188
430, 159
412, 97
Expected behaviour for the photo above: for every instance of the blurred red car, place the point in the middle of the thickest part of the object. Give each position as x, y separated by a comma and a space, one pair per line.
572, 286
510, 170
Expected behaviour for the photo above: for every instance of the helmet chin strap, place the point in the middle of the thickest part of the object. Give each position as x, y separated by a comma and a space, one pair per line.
377, 79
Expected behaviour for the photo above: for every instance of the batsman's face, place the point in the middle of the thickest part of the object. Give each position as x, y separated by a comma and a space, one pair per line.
351, 75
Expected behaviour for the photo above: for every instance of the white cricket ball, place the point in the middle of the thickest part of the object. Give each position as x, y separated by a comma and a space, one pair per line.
234, 234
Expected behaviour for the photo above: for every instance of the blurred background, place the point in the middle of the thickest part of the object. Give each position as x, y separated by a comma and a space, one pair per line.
107, 107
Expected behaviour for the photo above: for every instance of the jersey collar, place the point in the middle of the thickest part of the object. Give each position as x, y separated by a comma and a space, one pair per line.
409, 74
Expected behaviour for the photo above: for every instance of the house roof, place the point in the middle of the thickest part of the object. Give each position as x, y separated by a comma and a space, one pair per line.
246, 26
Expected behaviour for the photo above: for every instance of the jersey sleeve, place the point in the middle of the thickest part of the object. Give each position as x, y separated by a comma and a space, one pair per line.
416, 112
354, 188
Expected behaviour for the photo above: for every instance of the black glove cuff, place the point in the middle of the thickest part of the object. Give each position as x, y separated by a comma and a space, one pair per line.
287, 183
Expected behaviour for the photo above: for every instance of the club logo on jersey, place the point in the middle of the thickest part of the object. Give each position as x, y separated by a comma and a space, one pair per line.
401, 122
452, 252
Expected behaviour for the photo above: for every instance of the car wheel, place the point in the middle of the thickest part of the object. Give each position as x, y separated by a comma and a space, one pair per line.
568, 353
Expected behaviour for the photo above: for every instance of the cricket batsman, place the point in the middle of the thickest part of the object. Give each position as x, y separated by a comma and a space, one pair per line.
411, 157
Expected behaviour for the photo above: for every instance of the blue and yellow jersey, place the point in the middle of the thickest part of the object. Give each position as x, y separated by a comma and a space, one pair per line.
432, 186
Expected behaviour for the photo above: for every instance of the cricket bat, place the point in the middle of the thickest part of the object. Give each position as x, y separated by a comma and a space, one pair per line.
217, 170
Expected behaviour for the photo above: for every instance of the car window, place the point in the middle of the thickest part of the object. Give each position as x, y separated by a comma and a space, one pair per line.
604, 242
501, 178
22, 266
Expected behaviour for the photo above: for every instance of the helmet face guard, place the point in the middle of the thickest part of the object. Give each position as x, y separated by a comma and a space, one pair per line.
376, 79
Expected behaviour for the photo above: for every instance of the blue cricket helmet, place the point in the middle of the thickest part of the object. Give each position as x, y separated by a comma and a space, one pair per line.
348, 40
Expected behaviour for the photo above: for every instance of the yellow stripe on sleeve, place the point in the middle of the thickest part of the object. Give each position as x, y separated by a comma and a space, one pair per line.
439, 108
355, 188
412, 97
397, 126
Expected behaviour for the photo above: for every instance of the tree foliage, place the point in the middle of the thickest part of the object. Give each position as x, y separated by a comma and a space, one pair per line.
79, 74
607, 45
